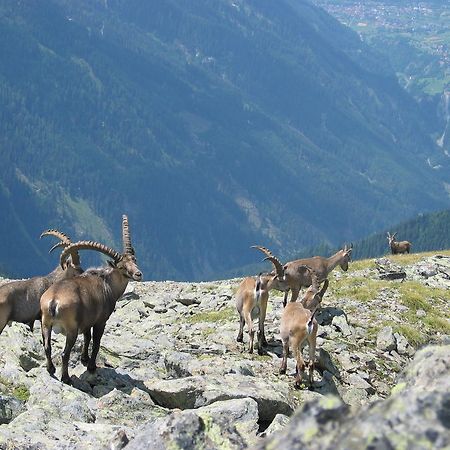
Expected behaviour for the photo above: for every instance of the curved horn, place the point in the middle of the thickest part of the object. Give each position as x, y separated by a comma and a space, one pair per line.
279, 269
65, 242
59, 244
88, 245
265, 250
59, 234
127, 247
273, 259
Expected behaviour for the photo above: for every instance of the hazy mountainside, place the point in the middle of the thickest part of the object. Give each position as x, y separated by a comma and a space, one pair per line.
214, 124
414, 39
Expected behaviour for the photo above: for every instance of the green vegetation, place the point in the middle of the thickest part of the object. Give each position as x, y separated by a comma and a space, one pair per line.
411, 294
413, 37
362, 289
414, 336
426, 232
20, 392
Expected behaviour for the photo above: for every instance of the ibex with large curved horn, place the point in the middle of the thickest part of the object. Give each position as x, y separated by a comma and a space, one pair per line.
398, 246
83, 303
19, 300
297, 274
251, 301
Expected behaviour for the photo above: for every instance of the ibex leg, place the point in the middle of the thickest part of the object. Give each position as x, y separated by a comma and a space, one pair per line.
85, 351
71, 337
97, 336
47, 341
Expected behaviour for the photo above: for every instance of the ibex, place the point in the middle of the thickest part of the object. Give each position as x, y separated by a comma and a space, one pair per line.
298, 326
85, 302
398, 247
297, 274
251, 302
19, 300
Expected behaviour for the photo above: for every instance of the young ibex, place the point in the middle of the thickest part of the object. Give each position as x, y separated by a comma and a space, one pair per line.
19, 300
85, 302
251, 302
398, 247
297, 274
298, 326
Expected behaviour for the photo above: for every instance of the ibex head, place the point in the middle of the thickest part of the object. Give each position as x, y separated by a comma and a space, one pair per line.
313, 295
125, 262
346, 257
391, 237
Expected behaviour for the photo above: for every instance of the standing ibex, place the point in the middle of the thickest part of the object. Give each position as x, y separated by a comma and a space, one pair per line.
297, 274
398, 247
298, 326
85, 302
251, 302
19, 300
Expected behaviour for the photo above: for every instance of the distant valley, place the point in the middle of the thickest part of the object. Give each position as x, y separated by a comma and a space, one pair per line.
214, 125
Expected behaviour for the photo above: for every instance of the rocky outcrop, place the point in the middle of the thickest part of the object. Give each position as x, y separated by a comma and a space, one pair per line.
415, 416
171, 373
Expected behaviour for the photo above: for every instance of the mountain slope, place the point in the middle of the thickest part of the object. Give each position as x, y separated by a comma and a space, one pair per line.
214, 125
426, 232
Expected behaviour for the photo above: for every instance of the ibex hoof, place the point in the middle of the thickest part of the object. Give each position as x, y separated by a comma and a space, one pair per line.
66, 380
84, 361
91, 368
240, 338
51, 370
261, 352
282, 371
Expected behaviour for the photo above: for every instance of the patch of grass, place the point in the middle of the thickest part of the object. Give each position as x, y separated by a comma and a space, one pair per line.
20, 391
208, 331
418, 296
209, 288
437, 323
224, 315
411, 333
362, 289
361, 264
413, 258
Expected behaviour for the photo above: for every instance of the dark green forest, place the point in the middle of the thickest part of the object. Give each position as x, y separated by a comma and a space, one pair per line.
214, 125
426, 232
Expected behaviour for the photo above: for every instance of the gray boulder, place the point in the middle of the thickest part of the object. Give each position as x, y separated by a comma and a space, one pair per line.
415, 416
386, 339
197, 391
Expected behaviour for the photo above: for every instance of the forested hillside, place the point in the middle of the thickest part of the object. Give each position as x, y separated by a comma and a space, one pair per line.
213, 124
426, 232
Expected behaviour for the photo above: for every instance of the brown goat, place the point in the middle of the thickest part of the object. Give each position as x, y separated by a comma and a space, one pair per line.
298, 326
85, 302
297, 274
396, 246
251, 303
19, 300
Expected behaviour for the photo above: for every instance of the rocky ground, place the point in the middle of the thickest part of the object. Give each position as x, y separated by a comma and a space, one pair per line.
173, 376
